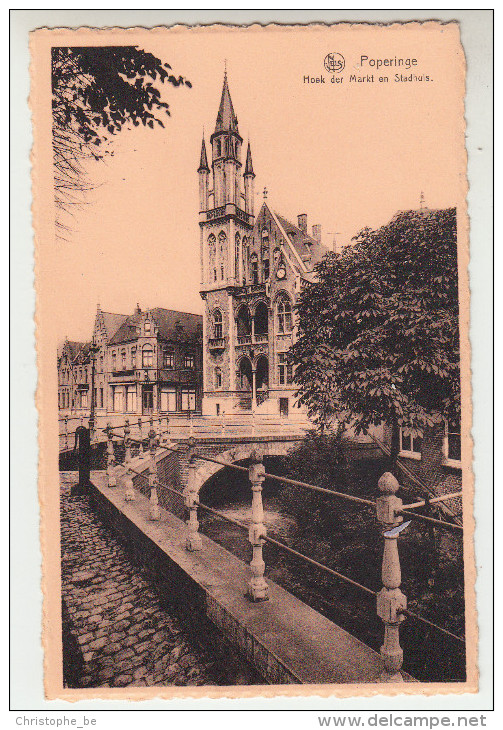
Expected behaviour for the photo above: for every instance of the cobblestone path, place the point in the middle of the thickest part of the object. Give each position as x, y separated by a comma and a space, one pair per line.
124, 636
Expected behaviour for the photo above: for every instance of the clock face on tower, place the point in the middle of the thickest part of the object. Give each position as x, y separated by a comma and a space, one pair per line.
281, 272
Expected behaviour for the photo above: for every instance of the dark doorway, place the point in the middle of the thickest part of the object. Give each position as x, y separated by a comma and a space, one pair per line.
148, 399
261, 319
245, 375
283, 407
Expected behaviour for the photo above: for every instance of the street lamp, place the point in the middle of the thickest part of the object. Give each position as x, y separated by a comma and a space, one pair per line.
93, 350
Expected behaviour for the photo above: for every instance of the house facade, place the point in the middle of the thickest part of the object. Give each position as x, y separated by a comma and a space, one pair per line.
147, 363
252, 271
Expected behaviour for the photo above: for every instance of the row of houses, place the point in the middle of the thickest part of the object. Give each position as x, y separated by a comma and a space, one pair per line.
143, 363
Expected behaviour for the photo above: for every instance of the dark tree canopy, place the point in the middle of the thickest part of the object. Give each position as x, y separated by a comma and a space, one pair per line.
378, 332
95, 92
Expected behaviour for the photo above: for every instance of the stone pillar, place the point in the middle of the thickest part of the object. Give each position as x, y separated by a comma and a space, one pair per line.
390, 599
254, 389
193, 541
111, 480
152, 475
258, 590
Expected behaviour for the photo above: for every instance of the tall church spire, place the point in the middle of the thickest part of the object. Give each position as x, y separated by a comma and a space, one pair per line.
226, 118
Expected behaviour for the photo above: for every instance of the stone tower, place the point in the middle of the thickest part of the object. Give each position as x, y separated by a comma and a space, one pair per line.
225, 219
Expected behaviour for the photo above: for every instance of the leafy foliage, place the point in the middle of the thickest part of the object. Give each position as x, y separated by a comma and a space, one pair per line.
96, 91
378, 331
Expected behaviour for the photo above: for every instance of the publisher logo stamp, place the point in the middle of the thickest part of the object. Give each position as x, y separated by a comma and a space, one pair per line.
334, 63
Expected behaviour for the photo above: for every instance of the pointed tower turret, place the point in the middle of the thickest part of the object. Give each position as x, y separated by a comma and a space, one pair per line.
204, 173
226, 152
249, 179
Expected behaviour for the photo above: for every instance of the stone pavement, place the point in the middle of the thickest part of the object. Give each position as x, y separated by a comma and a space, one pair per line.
124, 637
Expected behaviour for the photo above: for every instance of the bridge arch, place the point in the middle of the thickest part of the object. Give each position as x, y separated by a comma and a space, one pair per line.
241, 452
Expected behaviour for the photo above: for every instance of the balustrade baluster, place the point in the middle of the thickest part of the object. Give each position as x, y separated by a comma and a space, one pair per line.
141, 452
111, 479
258, 590
193, 541
152, 475
390, 599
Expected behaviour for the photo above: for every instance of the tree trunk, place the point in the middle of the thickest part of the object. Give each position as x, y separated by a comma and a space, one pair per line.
395, 446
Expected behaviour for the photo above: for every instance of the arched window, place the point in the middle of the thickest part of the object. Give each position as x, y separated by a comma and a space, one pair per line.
147, 326
218, 378
123, 359
284, 310
147, 356
265, 239
217, 324
254, 268
244, 322
133, 358
219, 148
212, 244
276, 255
114, 361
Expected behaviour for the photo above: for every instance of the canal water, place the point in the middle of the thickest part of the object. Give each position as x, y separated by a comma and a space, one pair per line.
346, 537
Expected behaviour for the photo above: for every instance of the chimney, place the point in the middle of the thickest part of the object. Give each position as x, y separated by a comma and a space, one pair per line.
317, 232
302, 222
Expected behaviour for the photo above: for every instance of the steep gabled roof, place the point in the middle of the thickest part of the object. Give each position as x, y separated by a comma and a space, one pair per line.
175, 325
306, 246
172, 325
112, 322
72, 348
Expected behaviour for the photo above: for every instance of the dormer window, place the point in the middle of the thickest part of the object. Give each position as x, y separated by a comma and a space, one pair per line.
169, 359
147, 327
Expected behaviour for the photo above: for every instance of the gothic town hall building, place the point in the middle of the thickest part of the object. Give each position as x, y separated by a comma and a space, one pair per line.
252, 270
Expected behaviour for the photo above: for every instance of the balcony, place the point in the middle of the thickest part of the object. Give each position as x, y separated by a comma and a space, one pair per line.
259, 338
122, 373
244, 340
217, 343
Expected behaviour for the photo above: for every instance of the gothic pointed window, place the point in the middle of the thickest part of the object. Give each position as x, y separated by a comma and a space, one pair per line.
218, 377
284, 312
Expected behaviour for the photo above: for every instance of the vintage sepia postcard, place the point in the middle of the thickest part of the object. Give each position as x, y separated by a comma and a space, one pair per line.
254, 397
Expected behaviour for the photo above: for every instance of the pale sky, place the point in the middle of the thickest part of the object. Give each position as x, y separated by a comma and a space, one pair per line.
349, 155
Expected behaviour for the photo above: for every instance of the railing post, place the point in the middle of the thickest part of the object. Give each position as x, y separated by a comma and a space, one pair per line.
223, 423
193, 541
111, 479
127, 442
258, 590
152, 475
142, 448
66, 432
129, 495
390, 599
